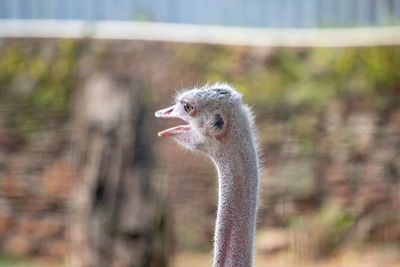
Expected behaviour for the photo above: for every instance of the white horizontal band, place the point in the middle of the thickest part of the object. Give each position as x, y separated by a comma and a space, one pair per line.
169, 32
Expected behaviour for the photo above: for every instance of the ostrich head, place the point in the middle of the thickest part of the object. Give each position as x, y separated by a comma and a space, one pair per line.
209, 112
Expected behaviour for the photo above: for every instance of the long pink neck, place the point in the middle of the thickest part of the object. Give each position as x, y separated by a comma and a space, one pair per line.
237, 202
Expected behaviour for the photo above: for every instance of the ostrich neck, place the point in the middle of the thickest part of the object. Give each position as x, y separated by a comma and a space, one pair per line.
237, 200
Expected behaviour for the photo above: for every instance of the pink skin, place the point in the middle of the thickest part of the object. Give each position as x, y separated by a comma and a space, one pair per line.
236, 210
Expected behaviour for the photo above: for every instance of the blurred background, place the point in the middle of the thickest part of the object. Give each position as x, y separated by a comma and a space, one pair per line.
84, 180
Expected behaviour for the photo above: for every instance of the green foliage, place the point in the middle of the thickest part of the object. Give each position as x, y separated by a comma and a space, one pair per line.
35, 82
323, 232
309, 78
335, 218
293, 84
10, 260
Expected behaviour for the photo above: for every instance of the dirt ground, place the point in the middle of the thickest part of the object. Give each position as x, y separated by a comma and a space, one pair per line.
388, 256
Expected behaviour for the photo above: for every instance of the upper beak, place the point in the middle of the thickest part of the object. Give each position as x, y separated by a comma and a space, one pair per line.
166, 112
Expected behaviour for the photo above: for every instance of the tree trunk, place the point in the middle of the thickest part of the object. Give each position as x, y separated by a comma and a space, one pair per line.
117, 215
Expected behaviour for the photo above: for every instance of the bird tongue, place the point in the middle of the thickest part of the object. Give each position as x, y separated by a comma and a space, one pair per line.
171, 112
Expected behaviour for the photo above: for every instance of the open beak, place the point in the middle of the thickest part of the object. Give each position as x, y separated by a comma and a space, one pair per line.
172, 112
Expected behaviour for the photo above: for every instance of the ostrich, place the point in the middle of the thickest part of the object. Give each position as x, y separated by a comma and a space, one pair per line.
219, 125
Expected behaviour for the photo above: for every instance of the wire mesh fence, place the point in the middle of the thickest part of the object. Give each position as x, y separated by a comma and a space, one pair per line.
328, 125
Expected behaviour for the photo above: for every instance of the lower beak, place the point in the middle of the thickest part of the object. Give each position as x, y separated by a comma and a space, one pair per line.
174, 131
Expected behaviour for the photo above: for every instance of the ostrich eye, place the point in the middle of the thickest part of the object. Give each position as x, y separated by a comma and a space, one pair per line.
188, 108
